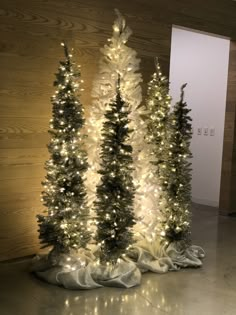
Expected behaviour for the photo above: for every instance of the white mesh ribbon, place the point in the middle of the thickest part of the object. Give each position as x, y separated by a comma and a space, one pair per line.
71, 271
181, 256
158, 258
80, 271
123, 274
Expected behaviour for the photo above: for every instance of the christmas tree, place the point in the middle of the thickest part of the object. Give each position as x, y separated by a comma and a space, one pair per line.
64, 227
175, 175
115, 192
156, 118
119, 58
158, 105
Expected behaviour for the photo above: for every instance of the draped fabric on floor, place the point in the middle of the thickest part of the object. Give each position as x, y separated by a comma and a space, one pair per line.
80, 270
159, 258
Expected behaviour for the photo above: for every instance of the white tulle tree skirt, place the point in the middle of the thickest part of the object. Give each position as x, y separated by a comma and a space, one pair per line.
81, 271
161, 258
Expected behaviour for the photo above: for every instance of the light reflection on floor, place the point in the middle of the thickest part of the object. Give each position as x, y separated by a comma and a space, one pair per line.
205, 291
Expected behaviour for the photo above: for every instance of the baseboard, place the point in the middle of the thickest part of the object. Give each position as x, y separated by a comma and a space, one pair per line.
205, 202
17, 259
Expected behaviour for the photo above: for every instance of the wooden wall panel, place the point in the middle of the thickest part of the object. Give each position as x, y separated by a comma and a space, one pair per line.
228, 172
30, 36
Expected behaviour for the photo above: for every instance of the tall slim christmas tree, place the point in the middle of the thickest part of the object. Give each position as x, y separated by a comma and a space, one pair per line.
116, 59
120, 59
65, 224
156, 118
175, 175
115, 192
158, 107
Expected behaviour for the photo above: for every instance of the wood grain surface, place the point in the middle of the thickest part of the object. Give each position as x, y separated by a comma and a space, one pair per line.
30, 36
228, 172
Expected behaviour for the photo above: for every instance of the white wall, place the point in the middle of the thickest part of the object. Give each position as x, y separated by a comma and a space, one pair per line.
201, 60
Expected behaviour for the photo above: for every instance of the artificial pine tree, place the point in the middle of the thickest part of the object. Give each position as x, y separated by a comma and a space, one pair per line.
158, 107
118, 58
175, 175
115, 192
64, 227
156, 118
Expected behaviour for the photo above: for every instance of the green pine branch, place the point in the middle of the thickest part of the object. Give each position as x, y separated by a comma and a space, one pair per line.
65, 224
115, 192
175, 174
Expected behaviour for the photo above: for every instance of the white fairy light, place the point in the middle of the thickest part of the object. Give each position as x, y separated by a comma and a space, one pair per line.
120, 59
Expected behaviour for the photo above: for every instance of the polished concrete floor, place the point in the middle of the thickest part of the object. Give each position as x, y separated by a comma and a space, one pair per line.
210, 290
